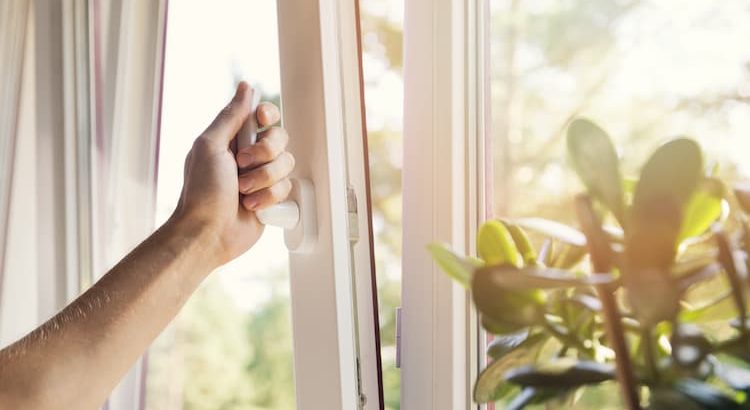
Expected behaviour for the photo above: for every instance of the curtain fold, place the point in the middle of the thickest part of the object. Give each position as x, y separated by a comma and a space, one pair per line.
13, 23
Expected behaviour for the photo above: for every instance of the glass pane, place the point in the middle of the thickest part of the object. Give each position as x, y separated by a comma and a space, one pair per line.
646, 70
231, 347
382, 39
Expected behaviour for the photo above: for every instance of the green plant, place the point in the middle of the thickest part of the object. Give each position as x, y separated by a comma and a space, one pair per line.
649, 291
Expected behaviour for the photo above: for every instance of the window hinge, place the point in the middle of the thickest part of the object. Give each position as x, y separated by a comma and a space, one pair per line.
398, 337
353, 215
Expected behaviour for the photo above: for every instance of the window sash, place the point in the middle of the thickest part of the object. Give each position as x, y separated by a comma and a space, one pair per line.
444, 191
333, 311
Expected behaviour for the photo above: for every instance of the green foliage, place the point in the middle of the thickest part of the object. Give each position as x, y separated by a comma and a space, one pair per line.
496, 245
672, 280
595, 160
460, 269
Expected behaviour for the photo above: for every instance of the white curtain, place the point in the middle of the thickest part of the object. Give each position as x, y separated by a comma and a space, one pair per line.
13, 21
84, 174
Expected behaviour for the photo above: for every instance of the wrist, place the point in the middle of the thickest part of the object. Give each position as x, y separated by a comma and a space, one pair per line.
199, 237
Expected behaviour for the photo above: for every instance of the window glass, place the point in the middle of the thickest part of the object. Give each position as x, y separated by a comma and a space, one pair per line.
646, 70
231, 346
382, 43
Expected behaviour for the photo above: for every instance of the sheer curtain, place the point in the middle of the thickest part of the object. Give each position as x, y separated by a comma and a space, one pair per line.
77, 188
13, 22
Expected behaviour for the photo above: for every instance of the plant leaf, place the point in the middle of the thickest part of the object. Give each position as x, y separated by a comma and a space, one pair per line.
554, 230
503, 306
703, 209
668, 180
561, 374
523, 244
510, 278
568, 256
458, 268
495, 245
501, 345
733, 372
490, 385
668, 399
707, 396
689, 346
597, 165
531, 395
720, 308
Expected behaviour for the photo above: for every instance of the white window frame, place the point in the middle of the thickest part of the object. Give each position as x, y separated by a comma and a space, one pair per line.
444, 198
333, 311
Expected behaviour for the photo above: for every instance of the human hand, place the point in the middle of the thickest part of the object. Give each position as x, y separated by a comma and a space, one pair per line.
222, 194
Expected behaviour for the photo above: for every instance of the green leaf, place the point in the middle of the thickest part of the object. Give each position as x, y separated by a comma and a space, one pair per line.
510, 278
458, 268
568, 256
561, 374
523, 244
503, 307
495, 245
668, 399
698, 275
668, 180
491, 385
654, 295
502, 345
703, 209
501, 328
597, 165
705, 395
719, 309
530, 396
689, 346
733, 372
738, 347
554, 230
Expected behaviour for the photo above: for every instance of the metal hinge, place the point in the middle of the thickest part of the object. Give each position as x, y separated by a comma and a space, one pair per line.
353, 215
398, 337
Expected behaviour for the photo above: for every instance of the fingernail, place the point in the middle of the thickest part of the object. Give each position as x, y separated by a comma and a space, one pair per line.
251, 204
241, 89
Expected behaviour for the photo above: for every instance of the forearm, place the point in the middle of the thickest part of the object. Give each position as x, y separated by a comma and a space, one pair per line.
77, 357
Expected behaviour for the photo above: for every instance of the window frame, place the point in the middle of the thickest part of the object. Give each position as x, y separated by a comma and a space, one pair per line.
334, 311
445, 193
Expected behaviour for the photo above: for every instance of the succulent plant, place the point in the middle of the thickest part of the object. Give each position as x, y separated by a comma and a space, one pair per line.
650, 290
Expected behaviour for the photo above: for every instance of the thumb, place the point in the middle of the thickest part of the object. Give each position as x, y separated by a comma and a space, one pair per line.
229, 121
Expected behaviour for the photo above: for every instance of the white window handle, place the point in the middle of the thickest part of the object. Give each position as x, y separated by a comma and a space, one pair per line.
297, 215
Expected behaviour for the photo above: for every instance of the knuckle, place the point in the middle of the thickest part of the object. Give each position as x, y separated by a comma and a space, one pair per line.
281, 190
201, 144
266, 151
266, 174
